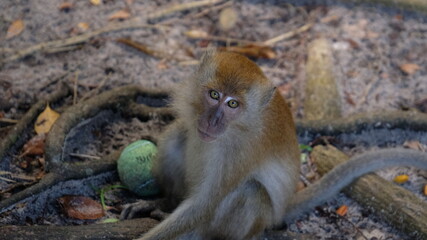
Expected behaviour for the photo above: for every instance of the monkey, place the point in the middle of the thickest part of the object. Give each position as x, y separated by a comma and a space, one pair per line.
230, 161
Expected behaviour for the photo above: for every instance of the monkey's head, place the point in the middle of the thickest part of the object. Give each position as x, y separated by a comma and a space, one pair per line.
229, 93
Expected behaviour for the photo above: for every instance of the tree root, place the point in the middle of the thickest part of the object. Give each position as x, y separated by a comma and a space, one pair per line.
18, 130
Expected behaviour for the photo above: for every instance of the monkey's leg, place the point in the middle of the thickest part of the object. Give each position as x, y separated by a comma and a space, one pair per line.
243, 214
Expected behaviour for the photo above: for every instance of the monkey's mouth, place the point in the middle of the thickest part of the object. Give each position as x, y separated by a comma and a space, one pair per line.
205, 136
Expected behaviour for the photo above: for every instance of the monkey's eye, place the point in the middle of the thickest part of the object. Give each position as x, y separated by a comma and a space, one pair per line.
233, 103
214, 94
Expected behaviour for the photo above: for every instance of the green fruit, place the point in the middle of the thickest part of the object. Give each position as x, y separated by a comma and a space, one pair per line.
134, 167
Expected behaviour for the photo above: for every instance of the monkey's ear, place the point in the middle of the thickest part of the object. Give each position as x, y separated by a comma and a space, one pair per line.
208, 56
268, 95
207, 68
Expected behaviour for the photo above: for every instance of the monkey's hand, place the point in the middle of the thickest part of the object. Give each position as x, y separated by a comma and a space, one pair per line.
141, 207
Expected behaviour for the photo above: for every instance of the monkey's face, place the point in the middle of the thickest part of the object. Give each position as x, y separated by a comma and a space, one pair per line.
219, 110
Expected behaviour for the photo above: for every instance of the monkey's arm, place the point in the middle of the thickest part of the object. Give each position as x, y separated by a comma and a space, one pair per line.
344, 174
182, 220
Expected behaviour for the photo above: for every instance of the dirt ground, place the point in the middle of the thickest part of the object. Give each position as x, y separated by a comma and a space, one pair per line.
380, 57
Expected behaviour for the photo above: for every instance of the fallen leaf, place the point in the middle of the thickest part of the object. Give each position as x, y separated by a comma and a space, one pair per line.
227, 19
95, 2
372, 35
409, 68
65, 6
15, 28
252, 50
196, 34
143, 48
119, 15
162, 65
81, 207
342, 210
45, 120
416, 145
331, 18
83, 26
425, 189
35, 146
401, 178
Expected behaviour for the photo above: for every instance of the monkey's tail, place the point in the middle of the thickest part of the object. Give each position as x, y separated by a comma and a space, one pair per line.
345, 173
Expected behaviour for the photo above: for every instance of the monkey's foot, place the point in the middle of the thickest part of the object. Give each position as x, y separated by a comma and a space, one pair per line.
140, 207
159, 214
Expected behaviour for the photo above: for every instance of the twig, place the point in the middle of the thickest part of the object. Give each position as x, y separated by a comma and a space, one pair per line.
7, 120
76, 80
215, 8
288, 35
181, 7
80, 39
224, 39
60, 45
7, 180
352, 224
84, 156
94, 91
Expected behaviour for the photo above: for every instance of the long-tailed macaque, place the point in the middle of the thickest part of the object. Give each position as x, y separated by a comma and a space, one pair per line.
231, 159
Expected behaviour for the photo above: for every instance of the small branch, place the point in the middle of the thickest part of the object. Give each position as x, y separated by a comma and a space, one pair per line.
215, 8
9, 121
84, 156
288, 35
76, 40
223, 39
76, 82
181, 7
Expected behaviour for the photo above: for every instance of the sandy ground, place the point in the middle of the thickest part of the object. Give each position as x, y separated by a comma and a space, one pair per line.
370, 45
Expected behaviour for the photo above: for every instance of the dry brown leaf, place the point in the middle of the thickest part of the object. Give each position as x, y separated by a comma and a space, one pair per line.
65, 6
401, 178
82, 26
425, 189
120, 15
143, 48
162, 65
35, 146
416, 145
252, 50
95, 2
81, 207
372, 35
227, 19
331, 18
45, 120
15, 28
196, 34
409, 68
342, 210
